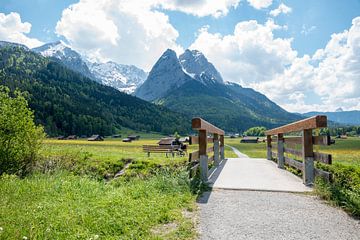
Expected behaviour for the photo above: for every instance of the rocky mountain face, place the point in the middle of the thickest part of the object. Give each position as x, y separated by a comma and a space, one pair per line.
58, 51
191, 85
166, 75
196, 65
125, 78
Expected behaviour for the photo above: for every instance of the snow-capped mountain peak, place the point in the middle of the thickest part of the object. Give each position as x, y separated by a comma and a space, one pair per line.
196, 65
125, 78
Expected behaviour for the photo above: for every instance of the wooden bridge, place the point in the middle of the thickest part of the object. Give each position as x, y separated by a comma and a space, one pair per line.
254, 198
256, 173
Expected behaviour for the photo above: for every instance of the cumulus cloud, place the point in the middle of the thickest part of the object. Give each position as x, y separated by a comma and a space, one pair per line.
250, 55
281, 9
200, 8
253, 57
260, 4
12, 29
129, 32
337, 77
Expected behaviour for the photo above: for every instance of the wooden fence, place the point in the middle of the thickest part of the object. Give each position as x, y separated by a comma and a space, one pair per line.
200, 159
300, 147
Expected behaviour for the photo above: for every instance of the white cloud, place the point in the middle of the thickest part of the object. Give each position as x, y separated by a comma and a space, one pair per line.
337, 77
259, 4
253, 57
12, 29
250, 55
128, 32
201, 8
281, 9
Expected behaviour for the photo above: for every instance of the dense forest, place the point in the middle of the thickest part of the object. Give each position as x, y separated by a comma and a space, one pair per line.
65, 102
230, 107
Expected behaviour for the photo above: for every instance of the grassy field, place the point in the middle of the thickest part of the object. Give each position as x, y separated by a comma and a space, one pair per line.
67, 196
110, 156
344, 151
66, 206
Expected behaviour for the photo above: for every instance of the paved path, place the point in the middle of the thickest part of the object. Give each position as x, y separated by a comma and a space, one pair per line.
259, 174
267, 211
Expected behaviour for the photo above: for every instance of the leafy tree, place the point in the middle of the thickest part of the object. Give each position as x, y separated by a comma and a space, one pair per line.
255, 131
20, 138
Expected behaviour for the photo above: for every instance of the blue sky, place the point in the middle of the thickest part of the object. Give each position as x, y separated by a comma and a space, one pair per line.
328, 16
304, 58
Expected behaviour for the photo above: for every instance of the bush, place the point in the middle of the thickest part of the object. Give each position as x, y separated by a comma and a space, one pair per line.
255, 131
20, 138
344, 191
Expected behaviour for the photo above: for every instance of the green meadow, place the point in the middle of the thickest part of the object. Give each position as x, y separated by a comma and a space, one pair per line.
72, 194
344, 151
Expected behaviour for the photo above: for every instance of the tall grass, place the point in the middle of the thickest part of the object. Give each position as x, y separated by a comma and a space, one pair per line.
66, 206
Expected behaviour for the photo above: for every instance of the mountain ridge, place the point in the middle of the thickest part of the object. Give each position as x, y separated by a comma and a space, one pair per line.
341, 117
66, 102
197, 89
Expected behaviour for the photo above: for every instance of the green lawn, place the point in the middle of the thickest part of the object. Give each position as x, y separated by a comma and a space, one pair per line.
344, 151
67, 197
66, 206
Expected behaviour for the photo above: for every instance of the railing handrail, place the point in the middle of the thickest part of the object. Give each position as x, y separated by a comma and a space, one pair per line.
319, 121
200, 159
287, 145
201, 124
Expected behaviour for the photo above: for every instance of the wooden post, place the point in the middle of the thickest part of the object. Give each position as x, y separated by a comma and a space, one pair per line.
280, 143
203, 157
308, 157
222, 146
216, 149
268, 143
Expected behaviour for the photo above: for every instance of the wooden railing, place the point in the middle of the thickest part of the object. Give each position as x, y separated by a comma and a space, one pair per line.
300, 147
200, 159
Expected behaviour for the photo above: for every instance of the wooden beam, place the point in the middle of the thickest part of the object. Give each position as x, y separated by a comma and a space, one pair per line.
323, 157
202, 142
201, 124
321, 173
293, 152
317, 140
319, 121
293, 163
193, 170
308, 157
195, 140
194, 156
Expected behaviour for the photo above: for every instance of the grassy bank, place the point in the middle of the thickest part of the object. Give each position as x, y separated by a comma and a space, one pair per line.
71, 194
110, 156
344, 191
65, 206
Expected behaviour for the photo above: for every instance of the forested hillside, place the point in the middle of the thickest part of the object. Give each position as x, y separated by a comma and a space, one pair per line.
66, 102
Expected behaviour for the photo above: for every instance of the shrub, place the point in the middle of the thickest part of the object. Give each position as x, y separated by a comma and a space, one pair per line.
20, 138
344, 191
255, 131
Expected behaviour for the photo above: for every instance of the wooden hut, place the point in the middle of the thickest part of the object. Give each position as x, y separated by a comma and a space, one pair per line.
72, 137
134, 137
96, 138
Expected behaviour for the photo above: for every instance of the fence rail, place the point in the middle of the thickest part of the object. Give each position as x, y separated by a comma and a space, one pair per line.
300, 147
200, 160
